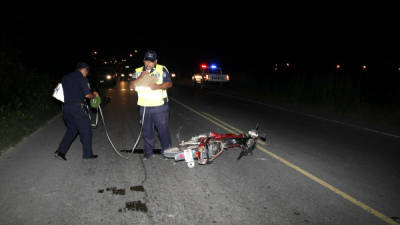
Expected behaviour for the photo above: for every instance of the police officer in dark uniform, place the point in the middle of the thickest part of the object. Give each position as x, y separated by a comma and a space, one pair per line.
76, 88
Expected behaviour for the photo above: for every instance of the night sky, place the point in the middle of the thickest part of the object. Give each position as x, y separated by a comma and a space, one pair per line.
240, 38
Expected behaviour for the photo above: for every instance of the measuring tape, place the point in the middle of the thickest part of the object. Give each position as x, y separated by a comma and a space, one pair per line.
108, 136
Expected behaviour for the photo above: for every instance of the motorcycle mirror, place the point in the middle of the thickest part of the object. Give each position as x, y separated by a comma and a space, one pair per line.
263, 136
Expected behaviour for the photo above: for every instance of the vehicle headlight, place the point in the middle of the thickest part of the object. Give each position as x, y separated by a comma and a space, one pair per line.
108, 77
197, 77
173, 75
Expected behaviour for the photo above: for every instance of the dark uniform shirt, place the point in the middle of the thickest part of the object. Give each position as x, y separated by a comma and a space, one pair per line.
75, 87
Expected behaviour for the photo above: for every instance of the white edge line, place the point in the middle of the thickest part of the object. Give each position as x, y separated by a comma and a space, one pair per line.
311, 115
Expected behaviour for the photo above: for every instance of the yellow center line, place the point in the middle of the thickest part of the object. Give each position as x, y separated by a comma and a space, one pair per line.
351, 199
200, 114
332, 188
230, 126
224, 123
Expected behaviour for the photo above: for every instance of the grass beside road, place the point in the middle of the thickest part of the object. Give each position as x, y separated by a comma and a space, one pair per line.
25, 99
17, 124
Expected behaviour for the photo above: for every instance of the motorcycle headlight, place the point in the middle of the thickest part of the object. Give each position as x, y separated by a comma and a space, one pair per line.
253, 133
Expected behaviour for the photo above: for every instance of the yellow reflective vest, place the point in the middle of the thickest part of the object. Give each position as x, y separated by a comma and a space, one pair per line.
148, 97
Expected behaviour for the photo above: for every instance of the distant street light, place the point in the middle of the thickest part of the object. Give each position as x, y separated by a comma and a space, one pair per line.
276, 67
364, 67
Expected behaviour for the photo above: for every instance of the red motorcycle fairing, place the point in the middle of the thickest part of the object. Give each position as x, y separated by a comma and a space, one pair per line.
225, 136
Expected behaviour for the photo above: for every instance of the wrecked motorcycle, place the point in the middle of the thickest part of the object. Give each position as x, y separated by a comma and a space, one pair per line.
207, 147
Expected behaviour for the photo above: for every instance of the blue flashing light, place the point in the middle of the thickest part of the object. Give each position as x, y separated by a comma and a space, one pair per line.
213, 66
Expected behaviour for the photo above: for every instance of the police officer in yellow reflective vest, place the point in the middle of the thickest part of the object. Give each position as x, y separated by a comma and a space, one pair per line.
153, 102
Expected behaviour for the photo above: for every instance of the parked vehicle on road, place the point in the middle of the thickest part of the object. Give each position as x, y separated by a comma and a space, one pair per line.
210, 75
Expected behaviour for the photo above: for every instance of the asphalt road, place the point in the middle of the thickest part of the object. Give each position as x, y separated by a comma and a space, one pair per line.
311, 171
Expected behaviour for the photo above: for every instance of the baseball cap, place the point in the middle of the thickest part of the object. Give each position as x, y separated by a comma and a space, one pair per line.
150, 55
82, 65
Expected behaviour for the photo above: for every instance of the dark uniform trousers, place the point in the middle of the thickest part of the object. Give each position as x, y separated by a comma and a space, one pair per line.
77, 121
155, 116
